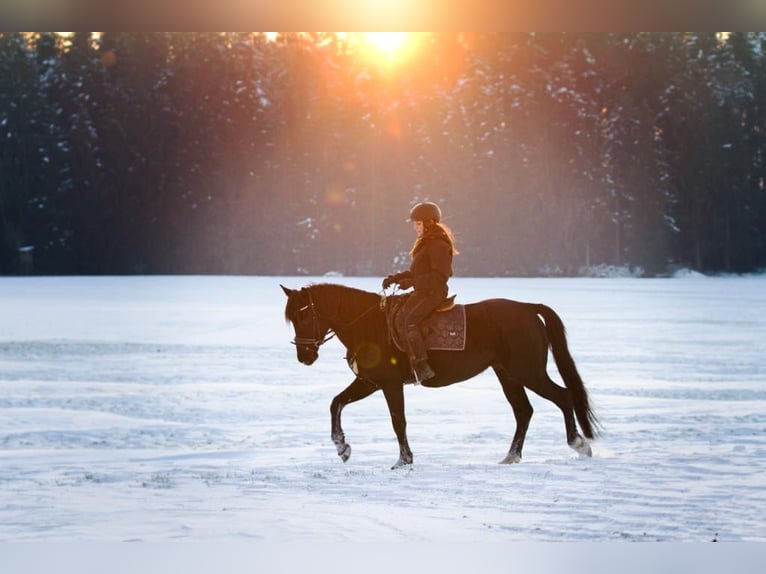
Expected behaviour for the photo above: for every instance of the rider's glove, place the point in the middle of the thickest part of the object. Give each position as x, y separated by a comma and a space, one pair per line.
388, 281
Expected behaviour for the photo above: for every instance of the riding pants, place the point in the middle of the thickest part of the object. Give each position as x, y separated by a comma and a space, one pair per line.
415, 309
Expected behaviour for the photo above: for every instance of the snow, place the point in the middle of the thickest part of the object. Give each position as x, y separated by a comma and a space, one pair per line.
172, 409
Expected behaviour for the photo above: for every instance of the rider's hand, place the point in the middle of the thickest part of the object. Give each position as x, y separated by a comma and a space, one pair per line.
388, 281
405, 283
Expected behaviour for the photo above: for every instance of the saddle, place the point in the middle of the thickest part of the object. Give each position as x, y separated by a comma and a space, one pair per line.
443, 330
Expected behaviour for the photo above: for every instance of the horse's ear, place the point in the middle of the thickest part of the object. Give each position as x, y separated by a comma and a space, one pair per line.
287, 291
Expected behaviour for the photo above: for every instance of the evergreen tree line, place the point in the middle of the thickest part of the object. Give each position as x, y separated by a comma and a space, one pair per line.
241, 153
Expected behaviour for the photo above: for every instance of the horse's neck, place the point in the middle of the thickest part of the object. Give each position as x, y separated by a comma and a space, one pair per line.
346, 304
347, 309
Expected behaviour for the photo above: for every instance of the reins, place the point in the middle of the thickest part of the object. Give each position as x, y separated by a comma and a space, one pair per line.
318, 341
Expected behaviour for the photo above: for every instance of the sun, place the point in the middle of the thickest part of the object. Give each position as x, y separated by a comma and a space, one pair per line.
388, 48
388, 43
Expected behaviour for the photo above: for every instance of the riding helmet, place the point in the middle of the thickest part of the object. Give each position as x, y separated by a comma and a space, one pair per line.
426, 211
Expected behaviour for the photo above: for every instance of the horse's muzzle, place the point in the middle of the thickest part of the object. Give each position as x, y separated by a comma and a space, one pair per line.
307, 355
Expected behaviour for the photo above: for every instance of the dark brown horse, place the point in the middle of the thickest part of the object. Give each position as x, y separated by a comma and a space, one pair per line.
506, 335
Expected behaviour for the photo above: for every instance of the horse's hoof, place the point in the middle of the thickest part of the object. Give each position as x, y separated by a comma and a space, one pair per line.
345, 454
581, 446
511, 459
401, 464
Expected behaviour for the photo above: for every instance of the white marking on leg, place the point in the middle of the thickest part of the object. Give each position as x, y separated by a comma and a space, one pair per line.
581, 446
511, 458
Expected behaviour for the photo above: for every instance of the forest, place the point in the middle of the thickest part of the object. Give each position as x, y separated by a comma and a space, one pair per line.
551, 154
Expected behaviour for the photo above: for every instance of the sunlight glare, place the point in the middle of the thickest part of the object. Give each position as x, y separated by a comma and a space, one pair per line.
386, 42
390, 49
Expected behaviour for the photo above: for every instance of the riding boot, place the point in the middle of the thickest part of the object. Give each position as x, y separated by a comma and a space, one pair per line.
421, 370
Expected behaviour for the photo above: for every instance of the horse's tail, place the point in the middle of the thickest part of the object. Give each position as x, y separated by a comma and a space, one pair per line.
568, 370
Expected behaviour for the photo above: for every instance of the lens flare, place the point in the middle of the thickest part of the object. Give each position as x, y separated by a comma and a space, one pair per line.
388, 48
386, 42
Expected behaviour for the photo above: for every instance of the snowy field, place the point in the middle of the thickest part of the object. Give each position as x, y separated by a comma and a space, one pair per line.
166, 409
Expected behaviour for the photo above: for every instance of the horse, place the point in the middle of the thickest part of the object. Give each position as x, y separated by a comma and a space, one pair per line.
508, 336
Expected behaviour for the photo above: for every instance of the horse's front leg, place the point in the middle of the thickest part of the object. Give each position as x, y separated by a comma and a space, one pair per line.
394, 394
357, 390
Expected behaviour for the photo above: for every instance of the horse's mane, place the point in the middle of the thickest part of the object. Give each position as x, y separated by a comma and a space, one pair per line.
351, 303
349, 297
326, 293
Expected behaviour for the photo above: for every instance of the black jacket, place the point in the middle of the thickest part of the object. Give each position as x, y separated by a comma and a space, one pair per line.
431, 265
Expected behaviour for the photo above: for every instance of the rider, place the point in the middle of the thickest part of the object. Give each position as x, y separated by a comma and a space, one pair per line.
429, 271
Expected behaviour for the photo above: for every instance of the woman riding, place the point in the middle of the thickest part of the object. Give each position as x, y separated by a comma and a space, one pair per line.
429, 271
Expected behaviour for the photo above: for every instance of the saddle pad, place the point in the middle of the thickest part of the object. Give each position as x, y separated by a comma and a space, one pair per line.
442, 331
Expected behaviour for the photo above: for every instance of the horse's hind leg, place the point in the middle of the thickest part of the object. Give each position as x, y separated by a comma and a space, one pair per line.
560, 396
522, 411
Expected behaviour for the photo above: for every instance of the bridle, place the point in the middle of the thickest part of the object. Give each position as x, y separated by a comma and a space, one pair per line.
318, 340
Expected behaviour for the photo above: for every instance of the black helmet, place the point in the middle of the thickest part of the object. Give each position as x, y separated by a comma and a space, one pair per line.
425, 211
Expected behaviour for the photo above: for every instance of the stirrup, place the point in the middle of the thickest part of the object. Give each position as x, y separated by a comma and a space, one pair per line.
421, 372
411, 380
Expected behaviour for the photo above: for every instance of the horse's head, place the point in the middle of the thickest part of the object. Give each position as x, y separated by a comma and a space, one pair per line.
310, 329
